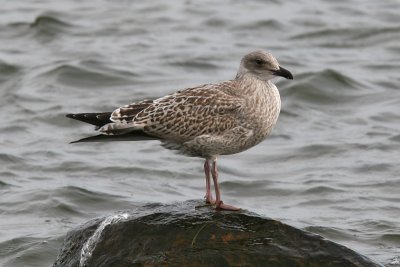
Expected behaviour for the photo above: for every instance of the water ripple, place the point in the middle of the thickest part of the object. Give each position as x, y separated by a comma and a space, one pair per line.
327, 87
331, 162
87, 77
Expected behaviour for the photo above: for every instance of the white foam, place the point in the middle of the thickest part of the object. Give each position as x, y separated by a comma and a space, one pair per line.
90, 244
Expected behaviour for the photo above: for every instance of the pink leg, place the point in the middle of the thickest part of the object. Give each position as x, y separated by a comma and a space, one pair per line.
218, 201
208, 196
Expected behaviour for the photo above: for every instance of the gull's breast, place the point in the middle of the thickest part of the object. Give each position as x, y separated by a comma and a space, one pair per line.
262, 113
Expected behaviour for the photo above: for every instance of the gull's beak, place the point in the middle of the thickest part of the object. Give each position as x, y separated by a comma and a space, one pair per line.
284, 73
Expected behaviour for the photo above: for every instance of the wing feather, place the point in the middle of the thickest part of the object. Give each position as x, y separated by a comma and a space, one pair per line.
190, 113
207, 109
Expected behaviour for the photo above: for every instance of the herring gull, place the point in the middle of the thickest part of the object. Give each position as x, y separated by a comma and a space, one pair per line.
204, 121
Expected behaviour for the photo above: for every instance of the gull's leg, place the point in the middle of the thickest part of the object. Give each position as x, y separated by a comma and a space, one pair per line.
207, 171
219, 204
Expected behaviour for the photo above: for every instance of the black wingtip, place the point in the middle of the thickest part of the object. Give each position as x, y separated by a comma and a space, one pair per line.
86, 139
98, 119
131, 136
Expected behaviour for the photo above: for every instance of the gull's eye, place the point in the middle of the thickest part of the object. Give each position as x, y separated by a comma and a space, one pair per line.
259, 62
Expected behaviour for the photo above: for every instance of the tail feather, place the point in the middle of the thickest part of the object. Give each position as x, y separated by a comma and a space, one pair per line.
132, 136
101, 119
97, 119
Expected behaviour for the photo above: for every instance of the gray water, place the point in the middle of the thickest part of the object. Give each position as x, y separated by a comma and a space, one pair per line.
331, 166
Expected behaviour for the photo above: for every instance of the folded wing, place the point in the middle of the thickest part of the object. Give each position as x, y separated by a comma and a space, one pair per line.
208, 109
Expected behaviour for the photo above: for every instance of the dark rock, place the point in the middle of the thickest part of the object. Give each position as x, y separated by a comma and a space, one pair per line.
182, 235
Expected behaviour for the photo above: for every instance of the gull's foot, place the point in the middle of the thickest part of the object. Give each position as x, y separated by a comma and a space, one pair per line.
222, 206
210, 200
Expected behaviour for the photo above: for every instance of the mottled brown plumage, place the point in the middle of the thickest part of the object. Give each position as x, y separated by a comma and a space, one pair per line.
208, 120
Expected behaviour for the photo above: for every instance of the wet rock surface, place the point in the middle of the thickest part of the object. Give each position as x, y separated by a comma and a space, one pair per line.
182, 235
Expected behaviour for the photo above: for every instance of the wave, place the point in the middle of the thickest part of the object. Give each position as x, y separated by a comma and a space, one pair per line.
7, 69
195, 63
349, 37
330, 232
321, 190
88, 74
7, 158
45, 27
49, 22
260, 25
327, 87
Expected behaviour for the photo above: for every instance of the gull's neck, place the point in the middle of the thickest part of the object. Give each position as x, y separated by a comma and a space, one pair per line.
251, 83
241, 72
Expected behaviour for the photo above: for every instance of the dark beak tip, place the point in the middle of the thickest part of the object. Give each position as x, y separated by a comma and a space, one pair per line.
284, 73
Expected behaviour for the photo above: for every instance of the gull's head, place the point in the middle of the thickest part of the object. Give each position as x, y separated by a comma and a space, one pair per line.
262, 65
